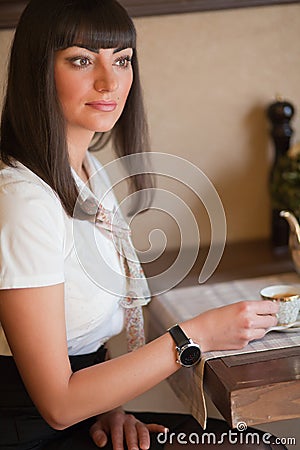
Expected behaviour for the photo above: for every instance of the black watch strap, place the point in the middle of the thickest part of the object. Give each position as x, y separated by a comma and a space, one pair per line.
178, 336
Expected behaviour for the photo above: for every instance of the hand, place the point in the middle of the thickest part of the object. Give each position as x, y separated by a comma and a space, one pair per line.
121, 426
233, 326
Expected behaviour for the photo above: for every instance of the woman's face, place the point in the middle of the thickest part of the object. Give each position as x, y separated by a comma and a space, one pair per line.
92, 86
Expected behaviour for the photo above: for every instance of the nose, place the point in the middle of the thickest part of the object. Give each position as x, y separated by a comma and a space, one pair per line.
106, 80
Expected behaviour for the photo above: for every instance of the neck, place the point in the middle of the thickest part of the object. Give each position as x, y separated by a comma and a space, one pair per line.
82, 173
77, 148
78, 165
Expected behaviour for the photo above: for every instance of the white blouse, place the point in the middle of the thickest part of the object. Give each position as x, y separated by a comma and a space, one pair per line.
40, 245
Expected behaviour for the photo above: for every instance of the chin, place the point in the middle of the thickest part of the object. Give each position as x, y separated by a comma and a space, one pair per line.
104, 127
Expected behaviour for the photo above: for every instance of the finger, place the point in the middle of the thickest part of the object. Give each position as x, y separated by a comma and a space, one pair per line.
99, 437
155, 428
131, 434
258, 333
248, 336
265, 321
117, 436
143, 436
267, 307
99, 425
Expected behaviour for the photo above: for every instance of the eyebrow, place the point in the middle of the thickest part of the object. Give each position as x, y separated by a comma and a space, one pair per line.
119, 49
97, 50
94, 50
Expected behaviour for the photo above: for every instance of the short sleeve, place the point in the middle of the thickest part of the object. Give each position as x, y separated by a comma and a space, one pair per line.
31, 236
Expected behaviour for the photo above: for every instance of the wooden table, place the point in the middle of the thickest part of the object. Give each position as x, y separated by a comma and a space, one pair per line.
266, 388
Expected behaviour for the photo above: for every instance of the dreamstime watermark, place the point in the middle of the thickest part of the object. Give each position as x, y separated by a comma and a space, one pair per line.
240, 436
178, 170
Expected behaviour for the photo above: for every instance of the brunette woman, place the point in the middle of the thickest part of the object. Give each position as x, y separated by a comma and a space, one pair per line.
65, 287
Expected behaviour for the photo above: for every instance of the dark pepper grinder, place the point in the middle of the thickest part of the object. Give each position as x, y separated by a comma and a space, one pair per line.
280, 114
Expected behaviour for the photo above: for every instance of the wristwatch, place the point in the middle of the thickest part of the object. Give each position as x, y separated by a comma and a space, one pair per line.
188, 352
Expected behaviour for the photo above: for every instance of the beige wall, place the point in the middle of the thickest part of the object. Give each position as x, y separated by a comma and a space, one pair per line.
208, 78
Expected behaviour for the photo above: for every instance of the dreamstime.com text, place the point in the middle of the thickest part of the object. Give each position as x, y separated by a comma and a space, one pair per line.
235, 436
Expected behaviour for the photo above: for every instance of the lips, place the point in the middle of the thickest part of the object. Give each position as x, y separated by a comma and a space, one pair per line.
104, 106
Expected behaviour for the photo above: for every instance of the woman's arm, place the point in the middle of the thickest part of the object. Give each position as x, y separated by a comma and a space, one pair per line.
34, 322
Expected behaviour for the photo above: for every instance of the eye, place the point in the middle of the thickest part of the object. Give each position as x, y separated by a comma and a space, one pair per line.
123, 61
80, 61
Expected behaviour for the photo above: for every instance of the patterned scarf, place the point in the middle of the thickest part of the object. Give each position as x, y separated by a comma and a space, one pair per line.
115, 227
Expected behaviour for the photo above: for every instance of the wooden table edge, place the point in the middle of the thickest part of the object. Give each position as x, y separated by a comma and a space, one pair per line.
234, 400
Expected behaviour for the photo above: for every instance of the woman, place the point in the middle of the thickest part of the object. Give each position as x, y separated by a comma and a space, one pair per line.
73, 73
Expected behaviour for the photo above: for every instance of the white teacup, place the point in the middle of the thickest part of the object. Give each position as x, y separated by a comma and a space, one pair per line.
288, 297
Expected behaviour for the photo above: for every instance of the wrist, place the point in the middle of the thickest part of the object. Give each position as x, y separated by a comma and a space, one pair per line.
196, 329
188, 352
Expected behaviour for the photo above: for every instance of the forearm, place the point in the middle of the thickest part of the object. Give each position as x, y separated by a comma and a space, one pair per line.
100, 388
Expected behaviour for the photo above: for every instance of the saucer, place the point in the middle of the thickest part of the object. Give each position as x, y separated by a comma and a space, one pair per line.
290, 328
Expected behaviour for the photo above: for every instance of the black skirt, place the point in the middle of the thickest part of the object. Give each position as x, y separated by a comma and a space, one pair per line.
23, 428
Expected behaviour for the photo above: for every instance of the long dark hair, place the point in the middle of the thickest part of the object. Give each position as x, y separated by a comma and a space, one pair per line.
32, 124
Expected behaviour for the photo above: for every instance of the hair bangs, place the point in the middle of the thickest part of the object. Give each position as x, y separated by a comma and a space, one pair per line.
94, 25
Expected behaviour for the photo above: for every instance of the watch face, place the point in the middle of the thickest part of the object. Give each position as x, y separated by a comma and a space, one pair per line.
190, 355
